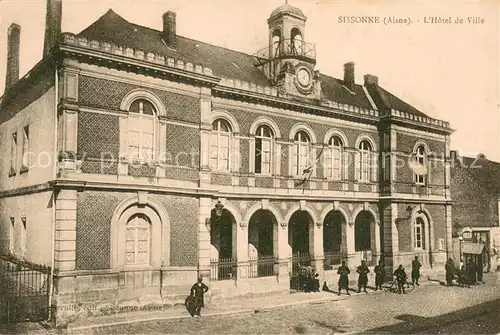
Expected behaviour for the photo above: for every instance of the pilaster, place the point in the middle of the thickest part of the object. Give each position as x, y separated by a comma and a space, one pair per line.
65, 239
449, 227
240, 248
318, 254
204, 237
390, 236
284, 254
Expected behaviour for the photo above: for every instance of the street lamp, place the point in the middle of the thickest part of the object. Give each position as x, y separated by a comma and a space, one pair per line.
218, 209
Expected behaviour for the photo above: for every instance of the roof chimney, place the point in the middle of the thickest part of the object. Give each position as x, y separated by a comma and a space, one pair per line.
371, 80
52, 25
13, 40
349, 76
169, 33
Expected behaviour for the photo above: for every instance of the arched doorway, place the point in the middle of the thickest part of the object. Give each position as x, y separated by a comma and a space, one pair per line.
262, 244
222, 231
364, 236
300, 232
333, 238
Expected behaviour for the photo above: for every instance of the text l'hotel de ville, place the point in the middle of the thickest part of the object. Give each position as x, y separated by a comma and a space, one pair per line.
406, 20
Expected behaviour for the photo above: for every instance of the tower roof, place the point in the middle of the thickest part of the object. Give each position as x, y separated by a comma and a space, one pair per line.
287, 9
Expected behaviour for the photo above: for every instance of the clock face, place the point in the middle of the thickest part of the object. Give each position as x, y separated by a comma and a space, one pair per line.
303, 77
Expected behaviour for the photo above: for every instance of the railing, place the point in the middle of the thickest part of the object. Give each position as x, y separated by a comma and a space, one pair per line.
331, 259
287, 48
222, 269
261, 267
299, 260
24, 289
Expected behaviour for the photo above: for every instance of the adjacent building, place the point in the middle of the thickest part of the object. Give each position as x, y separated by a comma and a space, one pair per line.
139, 159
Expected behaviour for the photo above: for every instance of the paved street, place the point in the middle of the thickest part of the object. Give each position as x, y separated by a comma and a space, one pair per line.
430, 309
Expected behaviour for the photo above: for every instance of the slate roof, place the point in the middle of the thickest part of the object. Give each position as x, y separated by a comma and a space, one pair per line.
113, 28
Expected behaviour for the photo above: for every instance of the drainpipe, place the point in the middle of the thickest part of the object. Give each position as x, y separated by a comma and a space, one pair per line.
55, 163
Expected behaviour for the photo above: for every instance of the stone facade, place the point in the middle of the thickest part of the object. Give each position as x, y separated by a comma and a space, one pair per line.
99, 192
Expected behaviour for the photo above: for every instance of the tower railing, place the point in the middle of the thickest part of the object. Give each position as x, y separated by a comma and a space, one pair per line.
286, 48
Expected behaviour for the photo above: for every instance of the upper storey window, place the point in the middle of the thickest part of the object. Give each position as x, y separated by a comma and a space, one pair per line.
365, 163
141, 130
421, 160
302, 150
220, 145
333, 158
263, 150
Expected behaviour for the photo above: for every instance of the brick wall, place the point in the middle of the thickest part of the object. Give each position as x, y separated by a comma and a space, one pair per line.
97, 92
94, 214
183, 146
245, 156
98, 134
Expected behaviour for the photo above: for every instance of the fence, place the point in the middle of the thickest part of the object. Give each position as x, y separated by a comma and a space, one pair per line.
24, 291
331, 259
261, 267
299, 262
222, 269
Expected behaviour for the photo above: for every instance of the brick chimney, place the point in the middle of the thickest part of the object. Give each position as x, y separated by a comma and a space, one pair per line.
371, 80
169, 32
52, 25
13, 41
349, 76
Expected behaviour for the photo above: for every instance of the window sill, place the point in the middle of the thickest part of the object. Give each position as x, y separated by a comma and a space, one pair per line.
221, 171
24, 169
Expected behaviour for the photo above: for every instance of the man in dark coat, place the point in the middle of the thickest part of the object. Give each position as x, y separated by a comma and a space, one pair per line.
363, 271
344, 272
379, 276
450, 272
401, 277
415, 270
471, 272
197, 292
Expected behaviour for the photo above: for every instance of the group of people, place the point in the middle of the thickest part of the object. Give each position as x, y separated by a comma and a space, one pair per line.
380, 275
467, 274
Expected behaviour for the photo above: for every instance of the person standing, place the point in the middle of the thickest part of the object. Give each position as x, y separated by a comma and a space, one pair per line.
401, 277
197, 292
344, 272
415, 270
363, 271
379, 276
450, 272
471, 272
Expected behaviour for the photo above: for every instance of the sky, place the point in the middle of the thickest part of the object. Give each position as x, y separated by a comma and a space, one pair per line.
448, 71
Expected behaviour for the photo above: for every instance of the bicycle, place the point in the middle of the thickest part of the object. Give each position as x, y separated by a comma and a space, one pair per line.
391, 285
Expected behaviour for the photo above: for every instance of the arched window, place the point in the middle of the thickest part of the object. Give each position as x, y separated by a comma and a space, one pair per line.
365, 161
220, 141
419, 233
302, 150
420, 159
263, 150
333, 158
141, 130
362, 231
138, 240
296, 39
275, 43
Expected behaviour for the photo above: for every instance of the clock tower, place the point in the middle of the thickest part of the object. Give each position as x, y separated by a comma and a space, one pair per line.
289, 61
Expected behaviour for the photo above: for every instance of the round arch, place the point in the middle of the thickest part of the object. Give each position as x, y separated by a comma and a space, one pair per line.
264, 120
368, 138
301, 126
341, 209
421, 143
235, 212
252, 210
222, 114
143, 94
296, 208
336, 132
369, 209
131, 206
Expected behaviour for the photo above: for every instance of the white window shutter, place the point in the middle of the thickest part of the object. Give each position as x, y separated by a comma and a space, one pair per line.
345, 165
357, 165
374, 166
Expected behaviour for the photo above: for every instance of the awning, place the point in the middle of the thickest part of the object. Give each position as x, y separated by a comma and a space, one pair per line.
472, 248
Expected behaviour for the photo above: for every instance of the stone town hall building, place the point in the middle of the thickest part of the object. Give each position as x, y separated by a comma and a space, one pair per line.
176, 158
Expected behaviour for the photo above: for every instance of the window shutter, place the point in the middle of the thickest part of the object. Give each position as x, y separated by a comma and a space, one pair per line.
326, 160
251, 154
374, 166
357, 165
345, 165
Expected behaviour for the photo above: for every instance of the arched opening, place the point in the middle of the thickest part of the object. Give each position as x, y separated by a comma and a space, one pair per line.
262, 243
300, 233
275, 42
296, 41
332, 238
364, 236
222, 229
138, 240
